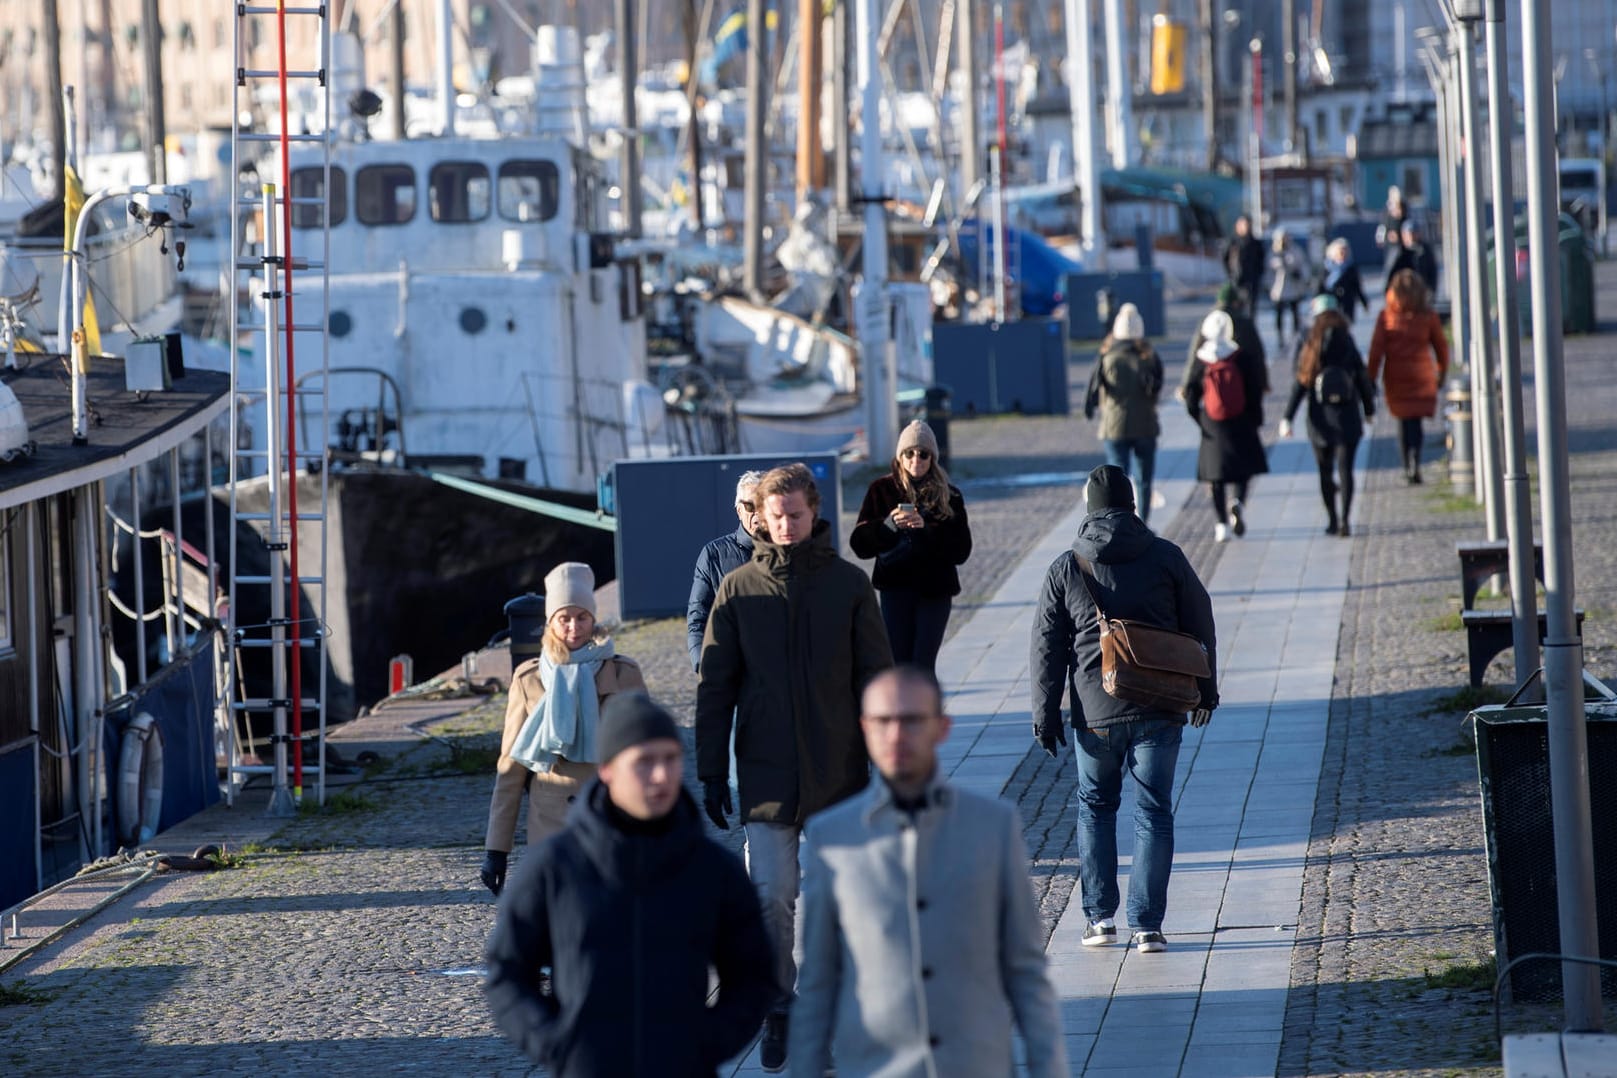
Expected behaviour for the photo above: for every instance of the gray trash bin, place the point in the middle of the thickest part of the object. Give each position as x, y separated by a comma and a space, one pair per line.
526, 613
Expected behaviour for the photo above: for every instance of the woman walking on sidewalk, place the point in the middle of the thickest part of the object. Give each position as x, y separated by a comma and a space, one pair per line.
1291, 273
1408, 354
548, 748
1332, 377
1124, 386
1226, 401
913, 522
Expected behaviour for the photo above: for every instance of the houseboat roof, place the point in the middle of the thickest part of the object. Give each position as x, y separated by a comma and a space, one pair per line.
124, 430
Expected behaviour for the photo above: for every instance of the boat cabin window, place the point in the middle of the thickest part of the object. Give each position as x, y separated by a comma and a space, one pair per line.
384, 194
311, 183
529, 190
458, 191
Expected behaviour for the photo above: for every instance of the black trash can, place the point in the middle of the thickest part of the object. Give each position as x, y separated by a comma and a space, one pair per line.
526, 613
936, 412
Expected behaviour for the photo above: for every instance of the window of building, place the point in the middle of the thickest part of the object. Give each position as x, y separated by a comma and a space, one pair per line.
384, 194
311, 183
458, 191
529, 190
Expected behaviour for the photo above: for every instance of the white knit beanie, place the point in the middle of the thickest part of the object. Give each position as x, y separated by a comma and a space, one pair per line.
918, 434
1128, 325
572, 583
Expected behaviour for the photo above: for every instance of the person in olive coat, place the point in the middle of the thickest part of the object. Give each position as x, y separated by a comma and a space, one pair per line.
1332, 378
1124, 388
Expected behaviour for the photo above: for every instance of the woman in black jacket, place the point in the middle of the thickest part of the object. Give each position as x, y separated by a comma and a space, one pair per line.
1331, 375
1339, 279
913, 522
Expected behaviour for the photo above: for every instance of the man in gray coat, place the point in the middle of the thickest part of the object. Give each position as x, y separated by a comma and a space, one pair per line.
921, 942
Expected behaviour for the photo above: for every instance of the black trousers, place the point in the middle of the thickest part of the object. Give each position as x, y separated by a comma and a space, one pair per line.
1410, 437
1221, 498
1337, 459
915, 625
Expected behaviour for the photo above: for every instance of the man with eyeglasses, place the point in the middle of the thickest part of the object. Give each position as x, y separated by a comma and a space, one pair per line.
921, 941
717, 560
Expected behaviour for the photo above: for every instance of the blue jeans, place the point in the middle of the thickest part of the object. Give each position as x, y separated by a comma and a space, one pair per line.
1144, 451
1149, 749
772, 865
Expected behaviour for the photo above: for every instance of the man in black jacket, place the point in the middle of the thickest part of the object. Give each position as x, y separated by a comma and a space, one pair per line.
717, 559
629, 905
1416, 254
1138, 576
1243, 264
795, 635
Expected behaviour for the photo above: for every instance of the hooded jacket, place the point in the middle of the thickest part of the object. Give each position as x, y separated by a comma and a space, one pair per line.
930, 568
794, 636
1231, 450
716, 561
1138, 576
1336, 424
629, 923
1411, 345
1125, 385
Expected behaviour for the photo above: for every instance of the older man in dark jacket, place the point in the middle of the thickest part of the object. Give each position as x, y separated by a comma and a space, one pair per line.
1139, 576
717, 560
630, 905
795, 635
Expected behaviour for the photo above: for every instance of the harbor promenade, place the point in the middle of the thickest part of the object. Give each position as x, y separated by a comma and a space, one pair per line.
1328, 912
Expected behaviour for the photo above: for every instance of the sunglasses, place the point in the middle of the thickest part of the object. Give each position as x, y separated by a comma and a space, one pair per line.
750, 507
913, 451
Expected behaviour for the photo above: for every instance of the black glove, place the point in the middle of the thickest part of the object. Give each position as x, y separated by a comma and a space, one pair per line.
493, 871
1051, 736
1201, 716
716, 800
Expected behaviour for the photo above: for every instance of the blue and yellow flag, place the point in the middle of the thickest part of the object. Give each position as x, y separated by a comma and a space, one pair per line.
72, 204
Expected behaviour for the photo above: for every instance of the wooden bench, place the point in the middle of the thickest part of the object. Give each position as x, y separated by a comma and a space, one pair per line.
1484, 558
1488, 632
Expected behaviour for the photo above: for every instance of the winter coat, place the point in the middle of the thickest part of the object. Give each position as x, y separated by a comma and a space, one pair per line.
921, 942
1243, 262
1291, 274
1231, 451
629, 919
1125, 385
717, 559
1347, 289
1247, 339
794, 636
930, 568
1412, 348
1137, 576
1419, 258
1336, 424
511, 779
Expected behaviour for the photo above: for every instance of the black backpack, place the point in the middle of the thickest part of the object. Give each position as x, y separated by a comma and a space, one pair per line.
1334, 385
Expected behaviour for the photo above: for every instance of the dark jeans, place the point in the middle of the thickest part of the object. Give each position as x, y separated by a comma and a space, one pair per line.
1410, 437
1221, 498
1144, 452
1338, 459
1281, 307
915, 625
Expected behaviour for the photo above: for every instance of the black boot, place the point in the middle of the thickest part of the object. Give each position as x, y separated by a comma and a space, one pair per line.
772, 1052
1328, 492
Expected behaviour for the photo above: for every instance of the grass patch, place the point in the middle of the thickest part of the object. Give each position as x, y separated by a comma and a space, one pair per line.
1467, 976
472, 761
1443, 501
1446, 623
1466, 699
21, 996
1459, 748
344, 803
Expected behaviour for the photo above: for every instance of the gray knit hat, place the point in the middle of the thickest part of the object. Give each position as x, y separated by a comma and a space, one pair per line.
572, 583
918, 434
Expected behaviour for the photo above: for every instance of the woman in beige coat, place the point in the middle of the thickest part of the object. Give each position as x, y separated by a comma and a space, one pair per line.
548, 748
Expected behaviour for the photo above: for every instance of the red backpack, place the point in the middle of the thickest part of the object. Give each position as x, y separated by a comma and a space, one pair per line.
1223, 390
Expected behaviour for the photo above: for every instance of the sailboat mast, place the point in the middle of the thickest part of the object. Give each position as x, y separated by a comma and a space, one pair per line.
753, 240
53, 98
810, 156
629, 75
970, 151
151, 39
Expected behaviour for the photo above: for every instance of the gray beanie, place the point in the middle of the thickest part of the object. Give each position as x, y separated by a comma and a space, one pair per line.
630, 719
1109, 488
572, 583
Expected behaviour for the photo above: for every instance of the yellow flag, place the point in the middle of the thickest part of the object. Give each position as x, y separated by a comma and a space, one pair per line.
72, 203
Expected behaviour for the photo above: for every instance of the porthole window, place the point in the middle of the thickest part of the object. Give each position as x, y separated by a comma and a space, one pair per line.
473, 320
529, 190
384, 194
311, 183
458, 191
341, 324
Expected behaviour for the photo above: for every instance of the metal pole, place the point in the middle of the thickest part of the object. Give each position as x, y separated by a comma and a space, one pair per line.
396, 69
693, 124
151, 37
1288, 56
753, 234
140, 575
841, 33
970, 148
52, 58
1117, 85
1518, 493
1563, 650
446, 69
1085, 160
875, 318
1209, 80
281, 803
628, 77
1254, 136
810, 158
1482, 381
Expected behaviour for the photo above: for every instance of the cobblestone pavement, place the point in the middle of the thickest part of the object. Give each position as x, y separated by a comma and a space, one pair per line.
351, 937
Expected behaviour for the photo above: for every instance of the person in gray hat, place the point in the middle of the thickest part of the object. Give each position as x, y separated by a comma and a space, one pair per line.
549, 747
1135, 575
628, 906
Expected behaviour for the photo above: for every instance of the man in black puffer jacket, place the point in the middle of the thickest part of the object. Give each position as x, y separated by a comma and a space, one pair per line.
1138, 576
629, 905
715, 562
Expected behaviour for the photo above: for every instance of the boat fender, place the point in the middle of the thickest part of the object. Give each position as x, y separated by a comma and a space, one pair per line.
140, 780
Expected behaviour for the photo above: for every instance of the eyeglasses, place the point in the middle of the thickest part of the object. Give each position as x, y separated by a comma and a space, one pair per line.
917, 451
750, 507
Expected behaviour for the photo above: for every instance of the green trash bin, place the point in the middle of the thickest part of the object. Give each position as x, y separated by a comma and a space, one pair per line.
1577, 277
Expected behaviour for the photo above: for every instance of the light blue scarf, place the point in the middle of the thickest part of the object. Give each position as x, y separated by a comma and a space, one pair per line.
564, 722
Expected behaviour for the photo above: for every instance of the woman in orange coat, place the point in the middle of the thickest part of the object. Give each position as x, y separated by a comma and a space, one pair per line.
1409, 343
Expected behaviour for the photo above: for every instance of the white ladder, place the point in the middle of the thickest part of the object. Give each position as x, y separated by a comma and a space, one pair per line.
281, 304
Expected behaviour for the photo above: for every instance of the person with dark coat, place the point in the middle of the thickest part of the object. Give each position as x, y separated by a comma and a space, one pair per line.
1131, 574
717, 559
1243, 264
1389, 234
1339, 279
795, 635
913, 522
1247, 339
629, 906
1231, 451
1124, 387
1416, 254
1332, 378
1408, 354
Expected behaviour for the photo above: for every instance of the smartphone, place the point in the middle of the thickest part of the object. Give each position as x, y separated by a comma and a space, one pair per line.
906, 507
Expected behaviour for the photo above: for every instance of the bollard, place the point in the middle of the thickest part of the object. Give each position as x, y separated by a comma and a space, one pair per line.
936, 412
1105, 309
526, 613
1457, 413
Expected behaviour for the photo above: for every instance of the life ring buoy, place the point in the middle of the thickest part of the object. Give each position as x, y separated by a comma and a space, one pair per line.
140, 780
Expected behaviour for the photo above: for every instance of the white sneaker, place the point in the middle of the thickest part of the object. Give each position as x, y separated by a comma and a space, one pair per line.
1150, 942
1100, 933
1221, 533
